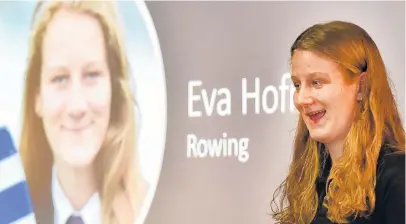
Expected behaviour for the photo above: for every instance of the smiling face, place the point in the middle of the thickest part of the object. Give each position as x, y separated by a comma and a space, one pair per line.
75, 92
324, 99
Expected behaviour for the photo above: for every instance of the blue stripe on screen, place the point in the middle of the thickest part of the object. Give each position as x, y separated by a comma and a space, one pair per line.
7, 147
14, 203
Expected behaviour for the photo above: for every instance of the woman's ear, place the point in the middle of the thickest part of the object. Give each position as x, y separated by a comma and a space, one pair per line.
38, 105
360, 85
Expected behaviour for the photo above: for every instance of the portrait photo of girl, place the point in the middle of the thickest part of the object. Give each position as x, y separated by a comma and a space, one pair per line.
79, 140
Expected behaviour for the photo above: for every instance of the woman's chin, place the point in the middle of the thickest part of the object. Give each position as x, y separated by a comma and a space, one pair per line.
318, 136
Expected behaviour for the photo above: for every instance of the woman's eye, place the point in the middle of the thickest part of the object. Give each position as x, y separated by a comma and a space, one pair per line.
60, 79
92, 75
317, 83
297, 86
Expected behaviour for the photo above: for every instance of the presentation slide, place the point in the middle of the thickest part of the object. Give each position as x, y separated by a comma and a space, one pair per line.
202, 112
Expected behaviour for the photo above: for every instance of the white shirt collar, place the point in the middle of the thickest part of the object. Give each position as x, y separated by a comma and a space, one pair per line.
90, 213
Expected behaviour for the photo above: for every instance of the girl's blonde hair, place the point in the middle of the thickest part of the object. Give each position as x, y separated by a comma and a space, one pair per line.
350, 193
120, 184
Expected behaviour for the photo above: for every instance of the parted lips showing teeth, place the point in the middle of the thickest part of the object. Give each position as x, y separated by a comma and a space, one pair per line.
315, 112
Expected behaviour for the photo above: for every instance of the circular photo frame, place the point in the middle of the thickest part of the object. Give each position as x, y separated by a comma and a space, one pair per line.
146, 80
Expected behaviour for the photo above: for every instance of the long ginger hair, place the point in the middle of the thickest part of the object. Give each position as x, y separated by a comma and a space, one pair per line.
119, 181
377, 123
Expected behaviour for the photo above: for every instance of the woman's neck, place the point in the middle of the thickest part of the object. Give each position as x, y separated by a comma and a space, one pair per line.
78, 184
335, 149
